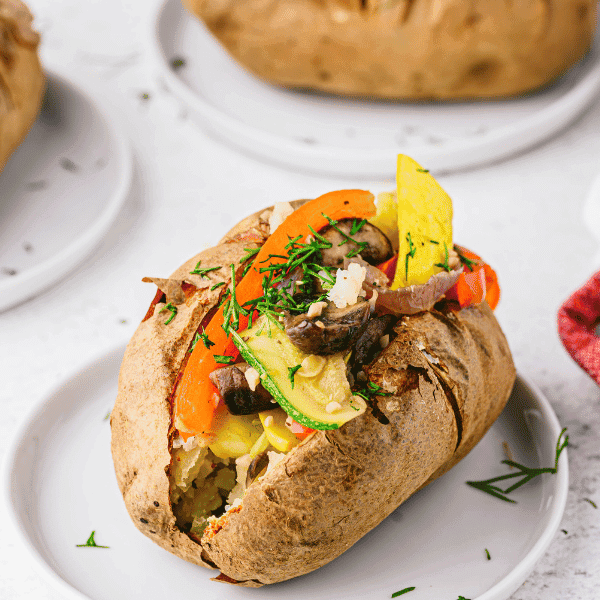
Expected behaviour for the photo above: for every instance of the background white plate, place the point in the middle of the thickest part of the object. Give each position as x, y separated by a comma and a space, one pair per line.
350, 137
61, 190
59, 485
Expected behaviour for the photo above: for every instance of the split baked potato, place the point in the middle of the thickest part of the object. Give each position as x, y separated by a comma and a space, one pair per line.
264, 432
21, 76
404, 49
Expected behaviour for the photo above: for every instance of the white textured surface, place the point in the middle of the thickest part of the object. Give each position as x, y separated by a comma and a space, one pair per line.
523, 215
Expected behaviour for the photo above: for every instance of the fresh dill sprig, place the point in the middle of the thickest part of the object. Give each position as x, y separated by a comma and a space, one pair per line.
232, 310
280, 278
464, 260
357, 226
371, 390
404, 591
90, 543
526, 473
223, 359
445, 264
412, 250
203, 271
360, 245
201, 336
171, 307
250, 253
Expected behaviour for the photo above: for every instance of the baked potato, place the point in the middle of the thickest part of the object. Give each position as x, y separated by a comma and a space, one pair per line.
404, 49
21, 76
351, 393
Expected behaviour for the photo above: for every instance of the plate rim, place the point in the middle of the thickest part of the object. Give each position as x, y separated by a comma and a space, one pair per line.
519, 136
78, 250
499, 591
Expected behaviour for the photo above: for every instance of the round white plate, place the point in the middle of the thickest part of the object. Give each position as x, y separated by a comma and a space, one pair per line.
61, 190
59, 485
334, 135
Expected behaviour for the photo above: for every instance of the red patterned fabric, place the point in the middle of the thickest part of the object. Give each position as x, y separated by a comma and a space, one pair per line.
577, 320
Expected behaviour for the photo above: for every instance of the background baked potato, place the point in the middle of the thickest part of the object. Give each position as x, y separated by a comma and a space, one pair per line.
448, 374
21, 76
409, 49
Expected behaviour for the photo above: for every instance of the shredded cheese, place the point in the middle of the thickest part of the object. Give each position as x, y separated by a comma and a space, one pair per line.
348, 285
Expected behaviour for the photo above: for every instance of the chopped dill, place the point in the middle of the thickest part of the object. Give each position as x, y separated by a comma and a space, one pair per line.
292, 372
203, 271
90, 543
412, 250
222, 359
445, 264
170, 307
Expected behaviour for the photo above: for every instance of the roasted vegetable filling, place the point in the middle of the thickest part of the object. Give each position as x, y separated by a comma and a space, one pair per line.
283, 356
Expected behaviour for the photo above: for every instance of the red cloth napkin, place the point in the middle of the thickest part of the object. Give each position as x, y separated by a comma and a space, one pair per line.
577, 320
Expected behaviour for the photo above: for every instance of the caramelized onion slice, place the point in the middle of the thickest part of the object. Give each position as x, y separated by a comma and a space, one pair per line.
416, 298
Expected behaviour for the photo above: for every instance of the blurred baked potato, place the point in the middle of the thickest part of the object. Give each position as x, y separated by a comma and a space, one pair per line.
404, 49
21, 76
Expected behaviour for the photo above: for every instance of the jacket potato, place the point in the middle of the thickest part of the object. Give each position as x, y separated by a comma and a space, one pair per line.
263, 435
21, 76
404, 49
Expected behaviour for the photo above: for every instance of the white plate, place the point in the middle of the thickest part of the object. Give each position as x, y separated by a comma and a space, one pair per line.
59, 485
61, 190
350, 137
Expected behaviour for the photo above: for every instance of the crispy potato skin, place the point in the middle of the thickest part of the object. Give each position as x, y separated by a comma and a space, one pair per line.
21, 76
404, 49
141, 417
449, 375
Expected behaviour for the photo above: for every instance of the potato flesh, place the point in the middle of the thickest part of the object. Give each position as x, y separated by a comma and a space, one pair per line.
203, 482
200, 484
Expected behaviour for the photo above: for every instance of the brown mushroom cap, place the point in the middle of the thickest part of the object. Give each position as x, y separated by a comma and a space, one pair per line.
336, 329
376, 249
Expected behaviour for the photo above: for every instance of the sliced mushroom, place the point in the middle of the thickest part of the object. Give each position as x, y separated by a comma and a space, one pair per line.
377, 247
368, 344
257, 467
334, 330
235, 391
294, 283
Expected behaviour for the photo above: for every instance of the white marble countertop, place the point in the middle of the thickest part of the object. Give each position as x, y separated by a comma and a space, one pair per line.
524, 215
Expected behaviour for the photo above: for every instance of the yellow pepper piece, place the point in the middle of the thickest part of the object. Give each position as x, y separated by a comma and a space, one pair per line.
261, 444
279, 436
424, 224
386, 217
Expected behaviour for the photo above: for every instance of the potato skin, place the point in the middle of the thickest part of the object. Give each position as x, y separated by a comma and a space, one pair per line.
21, 76
141, 417
404, 49
449, 374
